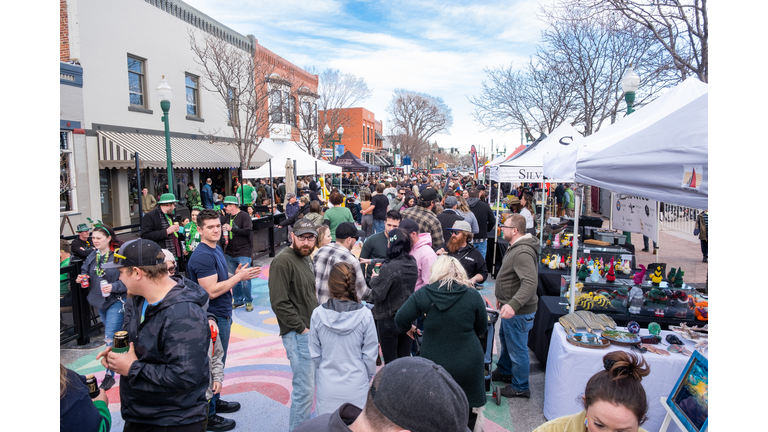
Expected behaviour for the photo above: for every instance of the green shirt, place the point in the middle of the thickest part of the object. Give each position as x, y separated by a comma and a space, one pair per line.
248, 198
193, 236
337, 215
193, 197
64, 279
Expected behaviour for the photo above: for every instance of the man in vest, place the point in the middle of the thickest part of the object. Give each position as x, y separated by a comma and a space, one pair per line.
569, 201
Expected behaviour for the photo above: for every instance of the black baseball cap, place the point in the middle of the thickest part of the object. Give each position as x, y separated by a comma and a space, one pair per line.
428, 194
347, 230
409, 226
137, 253
419, 395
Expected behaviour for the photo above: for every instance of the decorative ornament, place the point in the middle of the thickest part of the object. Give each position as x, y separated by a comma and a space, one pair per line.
611, 277
654, 328
679, 278
595, 276
639, 276
583, 273
633, 327
556, 243
671, 277
657, 276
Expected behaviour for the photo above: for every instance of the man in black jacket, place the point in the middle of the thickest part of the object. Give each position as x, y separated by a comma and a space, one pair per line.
559, 195
486, 220
238, 226
81, 246
459, 246
158, 227
164, 374
449, 216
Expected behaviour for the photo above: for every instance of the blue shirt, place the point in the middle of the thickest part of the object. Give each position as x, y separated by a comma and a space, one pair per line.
206, 261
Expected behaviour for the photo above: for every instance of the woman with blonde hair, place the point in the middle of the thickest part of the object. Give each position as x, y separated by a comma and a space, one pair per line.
454, 316
323, 237
463, 209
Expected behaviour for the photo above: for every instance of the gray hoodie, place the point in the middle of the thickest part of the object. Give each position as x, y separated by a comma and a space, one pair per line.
344, 346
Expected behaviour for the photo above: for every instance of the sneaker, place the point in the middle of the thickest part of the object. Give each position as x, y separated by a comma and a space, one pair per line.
644, 250
107, 382
654, 251
704, 260
496, 375
217, 423
249, 307
226, 407
237, 305
509, 392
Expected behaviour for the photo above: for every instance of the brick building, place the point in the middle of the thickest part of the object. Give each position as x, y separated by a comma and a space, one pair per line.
363, 134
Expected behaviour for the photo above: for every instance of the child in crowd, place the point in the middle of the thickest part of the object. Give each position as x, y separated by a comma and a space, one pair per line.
216, 365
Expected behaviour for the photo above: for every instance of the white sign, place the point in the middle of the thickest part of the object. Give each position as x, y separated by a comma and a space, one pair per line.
635, 214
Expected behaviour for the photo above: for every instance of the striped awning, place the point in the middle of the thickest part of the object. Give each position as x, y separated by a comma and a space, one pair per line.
116, 150
381, 161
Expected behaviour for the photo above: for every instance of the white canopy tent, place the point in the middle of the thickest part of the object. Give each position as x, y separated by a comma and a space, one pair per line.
305, 164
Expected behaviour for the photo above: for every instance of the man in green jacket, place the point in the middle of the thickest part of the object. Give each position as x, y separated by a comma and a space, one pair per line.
292, 295
193, 197
516, 290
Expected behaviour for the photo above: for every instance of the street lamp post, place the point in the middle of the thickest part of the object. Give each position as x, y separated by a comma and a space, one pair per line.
339, 132
165, 93
630, 83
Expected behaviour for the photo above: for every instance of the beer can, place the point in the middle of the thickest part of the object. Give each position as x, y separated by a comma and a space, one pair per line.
120, 342
377, 268
102, 284
85, 283
93, 388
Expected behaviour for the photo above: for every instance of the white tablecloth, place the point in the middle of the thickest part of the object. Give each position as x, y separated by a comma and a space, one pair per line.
570, 367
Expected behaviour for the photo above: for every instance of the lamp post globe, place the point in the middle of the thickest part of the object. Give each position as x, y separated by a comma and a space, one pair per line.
629, 84
165, 94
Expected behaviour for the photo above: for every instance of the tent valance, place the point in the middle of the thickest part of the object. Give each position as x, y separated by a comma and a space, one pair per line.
351, 163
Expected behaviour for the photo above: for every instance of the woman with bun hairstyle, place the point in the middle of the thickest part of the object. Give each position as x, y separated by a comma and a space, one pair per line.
614, 399
343, 344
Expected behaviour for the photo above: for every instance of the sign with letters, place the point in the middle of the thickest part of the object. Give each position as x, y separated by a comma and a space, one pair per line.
635, 214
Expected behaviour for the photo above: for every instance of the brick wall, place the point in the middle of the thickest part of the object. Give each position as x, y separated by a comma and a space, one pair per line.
63, 32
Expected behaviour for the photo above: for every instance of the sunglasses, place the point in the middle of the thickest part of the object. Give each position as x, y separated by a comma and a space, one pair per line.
171, 269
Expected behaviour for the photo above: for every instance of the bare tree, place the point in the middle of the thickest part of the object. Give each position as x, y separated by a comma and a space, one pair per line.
338, 91
242, 80
681, 27
417, 117
308, 127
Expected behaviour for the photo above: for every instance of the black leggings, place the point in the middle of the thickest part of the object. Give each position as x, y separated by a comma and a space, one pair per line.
394, 344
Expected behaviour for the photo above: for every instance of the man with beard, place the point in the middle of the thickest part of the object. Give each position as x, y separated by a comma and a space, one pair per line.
81, 246
158, 226
459, 246
293, 298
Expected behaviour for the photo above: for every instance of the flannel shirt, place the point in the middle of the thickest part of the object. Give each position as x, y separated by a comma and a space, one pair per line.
324, 259
427, 222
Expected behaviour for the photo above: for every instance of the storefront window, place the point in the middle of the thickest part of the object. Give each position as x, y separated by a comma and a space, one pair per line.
66, 169
133, 193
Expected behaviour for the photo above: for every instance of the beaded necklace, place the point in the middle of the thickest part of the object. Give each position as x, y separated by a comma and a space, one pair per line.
100, 262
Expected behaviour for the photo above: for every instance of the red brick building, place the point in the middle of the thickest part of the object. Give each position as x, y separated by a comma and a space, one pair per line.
363, 134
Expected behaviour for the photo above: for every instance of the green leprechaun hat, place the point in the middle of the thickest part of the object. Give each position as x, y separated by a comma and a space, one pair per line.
167, 198
230, 200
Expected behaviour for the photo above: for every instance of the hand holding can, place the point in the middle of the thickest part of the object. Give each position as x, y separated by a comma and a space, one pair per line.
106, 288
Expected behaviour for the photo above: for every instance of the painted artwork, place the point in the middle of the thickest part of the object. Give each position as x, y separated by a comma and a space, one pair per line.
689, 399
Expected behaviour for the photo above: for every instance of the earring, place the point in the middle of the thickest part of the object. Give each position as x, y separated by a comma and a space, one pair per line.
585, 422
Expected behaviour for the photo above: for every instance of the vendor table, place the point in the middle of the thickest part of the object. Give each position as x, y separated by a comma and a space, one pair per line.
551, 308
570, 367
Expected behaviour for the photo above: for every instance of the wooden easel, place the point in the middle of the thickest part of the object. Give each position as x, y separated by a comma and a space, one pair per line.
65, 219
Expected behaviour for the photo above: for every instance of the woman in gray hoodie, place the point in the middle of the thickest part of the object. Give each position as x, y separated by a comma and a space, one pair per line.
343, 344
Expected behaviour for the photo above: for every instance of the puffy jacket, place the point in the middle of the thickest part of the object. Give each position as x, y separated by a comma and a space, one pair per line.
344, 346
425, 256
166, 386
486, 220
395, 283
119, 292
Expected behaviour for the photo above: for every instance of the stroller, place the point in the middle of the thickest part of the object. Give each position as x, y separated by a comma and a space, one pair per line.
486, 341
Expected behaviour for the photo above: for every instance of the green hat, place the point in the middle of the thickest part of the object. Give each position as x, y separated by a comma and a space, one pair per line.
167, 198
82, 227
230, 200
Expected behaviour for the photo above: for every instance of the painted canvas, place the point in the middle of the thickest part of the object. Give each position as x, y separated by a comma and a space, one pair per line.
689, 398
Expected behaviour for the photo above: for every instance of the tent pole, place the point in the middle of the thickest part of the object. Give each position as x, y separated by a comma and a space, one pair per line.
610, 221
272, 188
296, 177
543, 210
657, 232
575, 245
496, 230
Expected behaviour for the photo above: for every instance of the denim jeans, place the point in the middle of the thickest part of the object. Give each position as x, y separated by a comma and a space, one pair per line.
241, 292
303, 369
645, 243
378, 226
513, 359
225, 328
482, 248
112, 318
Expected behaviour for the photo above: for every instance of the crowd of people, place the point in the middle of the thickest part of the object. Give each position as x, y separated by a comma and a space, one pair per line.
412, 295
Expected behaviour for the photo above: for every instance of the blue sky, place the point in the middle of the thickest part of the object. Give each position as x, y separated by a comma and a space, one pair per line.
435, 47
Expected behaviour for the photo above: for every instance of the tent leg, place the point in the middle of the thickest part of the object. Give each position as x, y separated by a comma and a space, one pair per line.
496, 230
577, 208
657, 232
543, 210
271, 237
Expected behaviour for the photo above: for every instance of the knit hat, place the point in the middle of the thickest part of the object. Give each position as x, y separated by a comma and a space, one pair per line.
167, 198
416, 394
137, 253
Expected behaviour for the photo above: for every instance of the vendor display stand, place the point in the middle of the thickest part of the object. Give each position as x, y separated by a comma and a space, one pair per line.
569, 368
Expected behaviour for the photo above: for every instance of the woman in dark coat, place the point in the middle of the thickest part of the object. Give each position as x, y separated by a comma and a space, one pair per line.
455, 317
391, 287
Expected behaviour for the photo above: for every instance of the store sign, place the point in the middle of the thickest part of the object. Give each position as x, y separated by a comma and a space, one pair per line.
530, 175
635, 214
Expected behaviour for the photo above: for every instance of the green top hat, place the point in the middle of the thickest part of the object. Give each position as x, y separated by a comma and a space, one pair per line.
167, 198
82, 227
230, 200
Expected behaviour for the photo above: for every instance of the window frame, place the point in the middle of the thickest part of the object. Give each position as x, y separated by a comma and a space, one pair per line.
70, 170
196, 93
276, 106
142, 82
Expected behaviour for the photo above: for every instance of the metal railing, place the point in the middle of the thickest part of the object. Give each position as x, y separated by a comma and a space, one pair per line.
678, 218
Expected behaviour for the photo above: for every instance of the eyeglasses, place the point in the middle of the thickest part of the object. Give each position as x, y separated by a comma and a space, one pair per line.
504, 226
307, 238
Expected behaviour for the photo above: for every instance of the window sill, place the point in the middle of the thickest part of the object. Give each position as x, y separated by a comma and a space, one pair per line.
194, 118
135, 108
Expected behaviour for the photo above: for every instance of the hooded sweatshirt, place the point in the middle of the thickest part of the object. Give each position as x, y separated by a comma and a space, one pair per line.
344, 346
424, 255
166, 385
486, 220
519, 276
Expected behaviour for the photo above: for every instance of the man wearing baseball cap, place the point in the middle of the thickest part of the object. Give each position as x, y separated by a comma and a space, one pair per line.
158, 226
410, 393
293, 298
423, 215
81, 246
460, 246
164, 374
341, 251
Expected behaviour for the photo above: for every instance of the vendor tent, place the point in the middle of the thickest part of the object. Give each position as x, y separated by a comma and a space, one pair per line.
665, 161
305, 164
528, 165
562, 165
351, 163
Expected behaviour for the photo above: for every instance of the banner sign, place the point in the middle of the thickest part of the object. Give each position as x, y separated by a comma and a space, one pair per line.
327, 153
397, 159
473, 153
339, 150
635, 214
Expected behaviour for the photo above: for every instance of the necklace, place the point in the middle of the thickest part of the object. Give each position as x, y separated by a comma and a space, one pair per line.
99, 262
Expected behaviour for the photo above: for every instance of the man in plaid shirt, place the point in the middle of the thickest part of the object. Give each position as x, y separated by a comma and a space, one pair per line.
423, 215
341, 251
